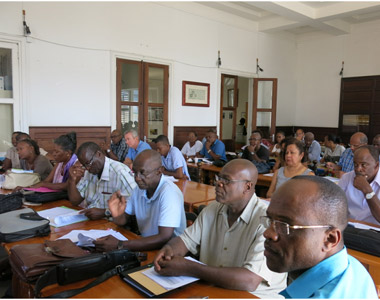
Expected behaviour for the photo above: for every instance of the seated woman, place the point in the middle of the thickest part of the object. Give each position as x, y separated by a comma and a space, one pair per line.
276, 148
31, 159
192, 146
64, 156
333, 149
294, 156
11, 157
280, 160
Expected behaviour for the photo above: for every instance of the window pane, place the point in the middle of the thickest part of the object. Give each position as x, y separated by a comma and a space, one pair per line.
129, 118
130, 82
227, 124
6, 125
264, 123
156, 85
228, 92
155, 122
6, 87
264, 96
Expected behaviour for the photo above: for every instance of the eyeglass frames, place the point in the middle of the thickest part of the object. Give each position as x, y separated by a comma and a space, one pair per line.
142, 175
226, 181
88, 165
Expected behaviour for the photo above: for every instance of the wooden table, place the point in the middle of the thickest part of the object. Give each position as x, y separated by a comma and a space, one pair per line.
195, 192
114, 287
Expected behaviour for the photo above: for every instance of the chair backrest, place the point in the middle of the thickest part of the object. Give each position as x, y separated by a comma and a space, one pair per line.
190, 218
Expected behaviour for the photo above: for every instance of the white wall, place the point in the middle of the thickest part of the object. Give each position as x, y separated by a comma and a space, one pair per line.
69, 64
319, 61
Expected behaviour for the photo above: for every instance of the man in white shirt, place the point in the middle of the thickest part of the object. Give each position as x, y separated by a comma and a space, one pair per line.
362, 186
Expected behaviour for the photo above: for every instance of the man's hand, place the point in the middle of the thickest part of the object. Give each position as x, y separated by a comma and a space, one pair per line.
251, 148
117, 204
93, 213
208, 145
76, 171
104, 146
361, 183
106, 244
166, 253
176, 266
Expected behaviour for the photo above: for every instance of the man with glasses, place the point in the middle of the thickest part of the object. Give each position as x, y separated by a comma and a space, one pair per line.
99, 177
346, 161
228, 237
304, 237
118, 149
157, 204
257, 153
362, 186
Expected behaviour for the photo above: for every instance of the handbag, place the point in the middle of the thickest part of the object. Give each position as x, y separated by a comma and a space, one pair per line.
10, 202
13, 179
363, 240
38, 197
101, 265
22, 224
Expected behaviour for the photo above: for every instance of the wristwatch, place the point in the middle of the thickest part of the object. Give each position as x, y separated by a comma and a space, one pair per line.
108, 214
369, 195
252, 153
108, 150
120, 245
209, 151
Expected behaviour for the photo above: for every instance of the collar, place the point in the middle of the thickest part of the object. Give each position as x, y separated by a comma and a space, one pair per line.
156, 192
377, 178
318, 276
106, 170
246, 215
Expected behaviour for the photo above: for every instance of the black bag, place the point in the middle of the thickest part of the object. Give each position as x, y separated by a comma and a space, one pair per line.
363, 240
22, 224
104, 265
10, 202
38, 197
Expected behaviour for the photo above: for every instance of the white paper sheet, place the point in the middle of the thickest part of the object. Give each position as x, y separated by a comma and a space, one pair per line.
94, 234
363, 226
170, 282
62, 216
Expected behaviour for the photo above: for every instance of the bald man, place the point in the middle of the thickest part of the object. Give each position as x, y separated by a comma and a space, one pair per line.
313, 148
157, 204
346, 161
118, 149
304, 236
228, 238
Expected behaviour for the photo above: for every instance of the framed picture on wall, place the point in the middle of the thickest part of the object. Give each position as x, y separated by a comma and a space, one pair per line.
195, 94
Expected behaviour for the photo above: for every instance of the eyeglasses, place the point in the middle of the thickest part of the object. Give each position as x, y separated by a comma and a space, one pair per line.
88, 165
355, 146
283, 228
253, 139
115, 136
226, 181
142, 175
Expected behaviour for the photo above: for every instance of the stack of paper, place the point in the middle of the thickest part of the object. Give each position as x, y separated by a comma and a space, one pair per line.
62, 216
85, 238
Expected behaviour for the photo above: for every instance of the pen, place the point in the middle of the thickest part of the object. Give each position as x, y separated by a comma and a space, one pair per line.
106, 193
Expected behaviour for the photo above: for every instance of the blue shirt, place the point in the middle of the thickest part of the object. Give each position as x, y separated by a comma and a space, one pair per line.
218, 148
132, 153
346, 161
338, 276
165, 208
314, 151
174, 160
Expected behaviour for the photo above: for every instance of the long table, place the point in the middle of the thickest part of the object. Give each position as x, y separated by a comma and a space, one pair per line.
115, 287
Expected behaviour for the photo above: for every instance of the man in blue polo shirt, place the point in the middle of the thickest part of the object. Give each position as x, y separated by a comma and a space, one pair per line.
312, 249
213, 149
172, 159
135, 146
157, 204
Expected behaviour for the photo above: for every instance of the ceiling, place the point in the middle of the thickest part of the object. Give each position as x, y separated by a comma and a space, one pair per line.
334, 18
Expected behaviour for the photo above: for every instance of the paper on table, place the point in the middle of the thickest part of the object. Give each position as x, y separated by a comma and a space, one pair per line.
269, 174
94, 234
62, 216
21, 171
170, 282
42, 190
363, 226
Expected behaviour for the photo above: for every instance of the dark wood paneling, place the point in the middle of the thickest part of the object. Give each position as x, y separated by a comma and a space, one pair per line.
362, 96
181, 133
46, 135
358, 83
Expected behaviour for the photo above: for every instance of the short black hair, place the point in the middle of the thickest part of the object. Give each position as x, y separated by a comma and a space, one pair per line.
162, 139
259, 132
330, 203
68, 142
88, 146
32, 143
20, 136
333, 138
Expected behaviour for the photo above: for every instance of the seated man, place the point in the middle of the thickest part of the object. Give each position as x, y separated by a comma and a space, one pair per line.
313, 148
173, 161
362, 186
228, 238
157, 204
118, 149
192, 146
376, 141
346, 161
101, 177
213, 149
312, 249
257, 153
135, 146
